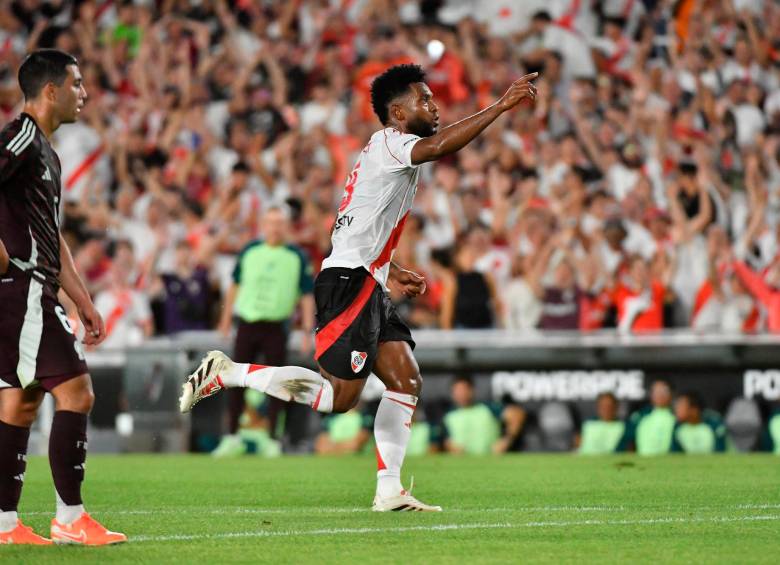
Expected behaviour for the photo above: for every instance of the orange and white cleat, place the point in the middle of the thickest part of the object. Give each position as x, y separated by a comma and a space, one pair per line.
84, 531
23, 535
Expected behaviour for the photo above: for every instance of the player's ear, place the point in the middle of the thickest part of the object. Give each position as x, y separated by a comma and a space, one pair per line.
397, 112
50, 92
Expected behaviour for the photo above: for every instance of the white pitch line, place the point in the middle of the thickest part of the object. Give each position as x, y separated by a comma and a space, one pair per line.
449, 527
303, 510
323, 510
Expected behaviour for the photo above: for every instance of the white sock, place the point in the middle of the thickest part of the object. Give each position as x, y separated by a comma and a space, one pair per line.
286, 383
392, 428
8, 520
67, 514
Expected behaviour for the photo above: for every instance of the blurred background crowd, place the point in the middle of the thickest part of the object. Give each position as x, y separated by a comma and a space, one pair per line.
642, 191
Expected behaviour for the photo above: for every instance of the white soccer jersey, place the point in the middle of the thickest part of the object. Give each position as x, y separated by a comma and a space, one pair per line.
377, 199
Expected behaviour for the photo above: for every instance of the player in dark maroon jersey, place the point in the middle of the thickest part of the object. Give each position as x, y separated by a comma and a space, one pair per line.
39, 352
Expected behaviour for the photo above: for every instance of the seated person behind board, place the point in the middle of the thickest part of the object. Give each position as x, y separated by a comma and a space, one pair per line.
650, 429
606, 433
474, 428
697, 430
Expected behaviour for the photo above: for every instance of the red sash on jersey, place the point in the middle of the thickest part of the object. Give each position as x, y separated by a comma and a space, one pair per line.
392, 243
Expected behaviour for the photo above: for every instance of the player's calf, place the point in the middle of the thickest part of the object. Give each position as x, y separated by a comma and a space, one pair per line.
67, 457
13, 463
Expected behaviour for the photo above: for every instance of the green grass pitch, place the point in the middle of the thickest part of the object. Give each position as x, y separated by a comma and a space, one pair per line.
526, 508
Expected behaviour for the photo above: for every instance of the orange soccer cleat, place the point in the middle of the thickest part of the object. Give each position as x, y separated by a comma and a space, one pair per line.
84, 531
23, 535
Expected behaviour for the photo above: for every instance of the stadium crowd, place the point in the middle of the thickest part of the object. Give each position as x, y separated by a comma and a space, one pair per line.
642, 191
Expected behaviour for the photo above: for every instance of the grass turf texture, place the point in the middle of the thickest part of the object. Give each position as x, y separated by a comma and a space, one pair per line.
537, 508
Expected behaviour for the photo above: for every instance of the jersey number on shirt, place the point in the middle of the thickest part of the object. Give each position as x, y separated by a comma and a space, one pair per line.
66, 324
349, 188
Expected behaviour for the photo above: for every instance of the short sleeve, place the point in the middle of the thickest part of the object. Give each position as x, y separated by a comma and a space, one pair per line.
237, 268
676, 445
306, 279
16, 142
398, 149
497, 409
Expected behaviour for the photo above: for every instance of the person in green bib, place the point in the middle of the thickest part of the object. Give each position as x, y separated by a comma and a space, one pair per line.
697, 431
606, 433
475, 428
773, 432
650, 429
270, 279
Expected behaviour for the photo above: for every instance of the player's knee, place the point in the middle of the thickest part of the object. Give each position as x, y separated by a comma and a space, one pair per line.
409, 383
86, 401
24, 415
418, 382
81, 402
414, 386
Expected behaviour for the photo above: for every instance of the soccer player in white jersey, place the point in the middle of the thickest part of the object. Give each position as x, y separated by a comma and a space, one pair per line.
358, 329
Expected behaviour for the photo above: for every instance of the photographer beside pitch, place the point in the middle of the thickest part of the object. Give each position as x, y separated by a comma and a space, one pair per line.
39, 352
359, 330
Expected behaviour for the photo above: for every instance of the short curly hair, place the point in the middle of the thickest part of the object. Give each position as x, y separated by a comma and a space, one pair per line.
391, 84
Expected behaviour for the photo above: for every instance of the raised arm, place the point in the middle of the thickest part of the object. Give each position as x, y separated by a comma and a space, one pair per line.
458, 135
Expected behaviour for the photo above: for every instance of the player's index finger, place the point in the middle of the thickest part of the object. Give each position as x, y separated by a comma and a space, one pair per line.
527, 78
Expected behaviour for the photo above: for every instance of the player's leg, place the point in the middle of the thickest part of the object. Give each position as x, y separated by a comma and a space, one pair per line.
322, 391
289, 383
349, 304
73, 398
397, 368
18, 408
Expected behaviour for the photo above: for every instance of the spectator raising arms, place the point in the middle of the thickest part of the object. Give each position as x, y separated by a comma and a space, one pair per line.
653, 131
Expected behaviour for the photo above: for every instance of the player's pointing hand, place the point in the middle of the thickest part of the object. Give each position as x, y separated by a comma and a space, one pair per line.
521, 89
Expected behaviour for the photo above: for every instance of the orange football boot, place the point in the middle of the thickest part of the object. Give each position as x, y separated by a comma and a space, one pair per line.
84, 531
23, 535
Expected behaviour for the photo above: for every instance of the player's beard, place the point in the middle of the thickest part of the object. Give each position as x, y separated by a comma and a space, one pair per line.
421, 128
